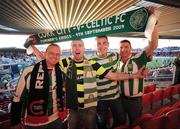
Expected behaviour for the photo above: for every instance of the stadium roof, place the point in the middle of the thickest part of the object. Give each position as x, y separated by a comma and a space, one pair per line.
35, 16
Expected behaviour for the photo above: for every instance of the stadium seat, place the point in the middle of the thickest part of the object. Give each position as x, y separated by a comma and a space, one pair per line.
179, 90
6, 124
167, 93
147, 100
149, 88
157, 96
143, 118
152, 87
176, 105
146, 89
175, 91
122, 127
5, 116
162, 111
173, 118
155, 123
137, 127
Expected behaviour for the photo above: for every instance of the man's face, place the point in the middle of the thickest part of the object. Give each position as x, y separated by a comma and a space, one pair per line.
102, 46
125, 49
77, 48
52, 55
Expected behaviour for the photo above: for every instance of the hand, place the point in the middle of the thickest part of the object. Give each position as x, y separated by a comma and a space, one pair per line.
31, 40
151, 9
141, 70
140, 74
18, 126
145, 72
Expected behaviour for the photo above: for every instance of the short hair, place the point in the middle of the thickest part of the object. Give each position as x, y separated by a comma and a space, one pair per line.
77, 40
52, 44
125, 40
102, 36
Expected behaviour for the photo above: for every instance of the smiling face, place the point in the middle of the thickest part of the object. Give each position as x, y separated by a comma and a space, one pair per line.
125, 49
77, 48
52, 55
102, 46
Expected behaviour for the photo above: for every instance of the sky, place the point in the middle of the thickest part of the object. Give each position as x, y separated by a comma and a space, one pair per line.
90, 43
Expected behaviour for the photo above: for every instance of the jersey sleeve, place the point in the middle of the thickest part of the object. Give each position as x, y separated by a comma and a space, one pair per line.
100, 70
141, 58
20, 96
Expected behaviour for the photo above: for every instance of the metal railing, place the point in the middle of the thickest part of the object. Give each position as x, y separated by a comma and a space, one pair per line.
165, 77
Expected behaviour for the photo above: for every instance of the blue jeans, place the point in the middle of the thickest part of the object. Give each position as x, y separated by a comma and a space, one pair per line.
133, 107
116, 108
57, 124
82, 118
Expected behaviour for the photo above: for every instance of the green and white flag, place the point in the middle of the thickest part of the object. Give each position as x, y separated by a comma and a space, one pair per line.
132, 21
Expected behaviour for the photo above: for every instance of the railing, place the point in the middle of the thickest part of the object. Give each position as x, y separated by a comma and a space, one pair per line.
165, 77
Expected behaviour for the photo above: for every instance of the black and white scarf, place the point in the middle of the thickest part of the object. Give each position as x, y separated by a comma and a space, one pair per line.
39, 91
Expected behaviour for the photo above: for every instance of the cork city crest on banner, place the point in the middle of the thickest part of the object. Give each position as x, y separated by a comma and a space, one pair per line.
131, 21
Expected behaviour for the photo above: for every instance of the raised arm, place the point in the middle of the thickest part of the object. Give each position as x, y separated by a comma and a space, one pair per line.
39, 55
153, 42
117, 76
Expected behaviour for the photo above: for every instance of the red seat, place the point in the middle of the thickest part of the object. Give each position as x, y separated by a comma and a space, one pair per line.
152, 87
143, 118
5, 124
146, 89
155, 123
177, 85
137, 127
157, 96
122, 127
173, 119
147, 100
149, 88
167, 93
176, 105
175, 90
162, 111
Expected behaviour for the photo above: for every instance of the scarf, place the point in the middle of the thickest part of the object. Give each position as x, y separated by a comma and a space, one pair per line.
135, 20
71, 89
90, 87
39, 92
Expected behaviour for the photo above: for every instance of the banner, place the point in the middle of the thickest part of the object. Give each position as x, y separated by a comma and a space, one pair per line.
132, 21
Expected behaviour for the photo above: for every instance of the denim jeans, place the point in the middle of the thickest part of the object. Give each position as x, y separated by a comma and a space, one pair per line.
57, 124
116, 108
82, 118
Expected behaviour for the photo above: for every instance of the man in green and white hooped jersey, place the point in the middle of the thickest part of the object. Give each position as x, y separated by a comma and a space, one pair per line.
132, 89
108, 90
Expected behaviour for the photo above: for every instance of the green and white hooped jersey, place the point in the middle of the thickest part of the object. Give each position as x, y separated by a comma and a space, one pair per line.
133, 87
107, 89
